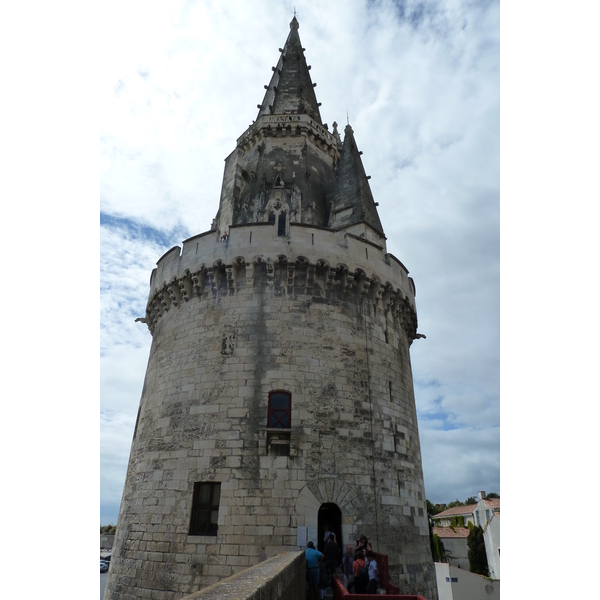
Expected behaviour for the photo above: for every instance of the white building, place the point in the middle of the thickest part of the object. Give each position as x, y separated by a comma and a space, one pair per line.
485, 514
484, 509
454, 540
457, 584
444, 519
491, 537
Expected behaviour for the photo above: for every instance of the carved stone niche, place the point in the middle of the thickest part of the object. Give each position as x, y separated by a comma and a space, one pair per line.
228, 343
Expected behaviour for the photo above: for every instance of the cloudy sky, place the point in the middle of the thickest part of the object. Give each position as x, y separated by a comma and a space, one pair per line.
419, 82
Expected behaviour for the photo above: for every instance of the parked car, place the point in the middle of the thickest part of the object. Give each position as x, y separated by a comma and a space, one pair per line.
103, 566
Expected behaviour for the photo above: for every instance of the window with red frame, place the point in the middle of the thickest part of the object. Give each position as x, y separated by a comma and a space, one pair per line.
280, 410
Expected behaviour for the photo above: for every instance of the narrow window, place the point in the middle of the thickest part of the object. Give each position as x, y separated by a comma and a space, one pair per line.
205, 508
281, 225
313, 239
137, 421
390, 391
250, 240
279, 422
272, 217
367, 253
280, 408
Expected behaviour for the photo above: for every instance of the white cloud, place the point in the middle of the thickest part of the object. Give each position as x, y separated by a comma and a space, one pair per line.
420, 84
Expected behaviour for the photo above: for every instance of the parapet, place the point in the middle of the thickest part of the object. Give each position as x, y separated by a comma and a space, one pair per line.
282, 577
308, 257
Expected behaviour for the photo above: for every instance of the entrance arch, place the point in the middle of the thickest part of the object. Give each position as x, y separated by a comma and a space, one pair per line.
324, 492
329, 519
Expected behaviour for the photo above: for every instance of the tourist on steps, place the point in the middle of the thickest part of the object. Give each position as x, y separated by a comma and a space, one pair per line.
347, 562
332, 556
313, 558
373, 573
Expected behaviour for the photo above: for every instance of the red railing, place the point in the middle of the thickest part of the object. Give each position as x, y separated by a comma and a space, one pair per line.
392, 591
341, 593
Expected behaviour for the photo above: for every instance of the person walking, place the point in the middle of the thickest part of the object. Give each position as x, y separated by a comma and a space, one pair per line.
325, 538
332, 555
373, 568
361, 573
313, 558
362, 543
347, 563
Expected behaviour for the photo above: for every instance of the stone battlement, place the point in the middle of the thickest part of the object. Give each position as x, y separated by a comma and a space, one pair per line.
310, 260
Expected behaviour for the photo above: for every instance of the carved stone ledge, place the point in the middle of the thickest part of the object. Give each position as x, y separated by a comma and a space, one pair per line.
281, 273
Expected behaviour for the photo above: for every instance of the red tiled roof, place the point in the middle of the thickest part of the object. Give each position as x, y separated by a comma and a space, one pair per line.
449, 532
492, 502
456, 511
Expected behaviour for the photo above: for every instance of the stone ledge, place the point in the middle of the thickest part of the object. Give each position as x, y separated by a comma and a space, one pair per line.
281, 577
283, 277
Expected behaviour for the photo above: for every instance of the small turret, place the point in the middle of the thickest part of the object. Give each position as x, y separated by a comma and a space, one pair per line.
352, 201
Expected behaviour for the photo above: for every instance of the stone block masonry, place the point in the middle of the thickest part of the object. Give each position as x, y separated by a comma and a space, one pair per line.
282, 577
340, 346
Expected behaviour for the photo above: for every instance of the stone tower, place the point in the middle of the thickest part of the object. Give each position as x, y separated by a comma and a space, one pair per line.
278, 398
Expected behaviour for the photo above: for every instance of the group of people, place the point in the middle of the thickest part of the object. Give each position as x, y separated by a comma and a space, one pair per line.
359, 567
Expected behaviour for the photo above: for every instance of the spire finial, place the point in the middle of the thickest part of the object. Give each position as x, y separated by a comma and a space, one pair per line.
294, 24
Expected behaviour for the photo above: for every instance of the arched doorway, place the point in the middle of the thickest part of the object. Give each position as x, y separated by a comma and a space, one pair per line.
330, 517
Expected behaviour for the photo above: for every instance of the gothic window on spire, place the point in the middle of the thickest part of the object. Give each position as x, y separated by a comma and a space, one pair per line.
271, 217
281, 224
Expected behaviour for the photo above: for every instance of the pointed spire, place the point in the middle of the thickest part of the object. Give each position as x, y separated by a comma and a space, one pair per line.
285, 161
352, 201
291, 90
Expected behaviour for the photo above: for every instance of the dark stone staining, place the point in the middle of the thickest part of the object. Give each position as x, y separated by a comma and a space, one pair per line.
228, 343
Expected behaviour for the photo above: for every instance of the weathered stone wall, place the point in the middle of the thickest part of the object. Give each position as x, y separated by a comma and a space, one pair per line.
282, 577
294, 147
330, 319
196, 269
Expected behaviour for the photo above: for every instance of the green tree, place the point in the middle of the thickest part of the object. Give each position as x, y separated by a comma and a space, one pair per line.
108, 529
434, 509
470, 500
438, 551
493, 495
477, 557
